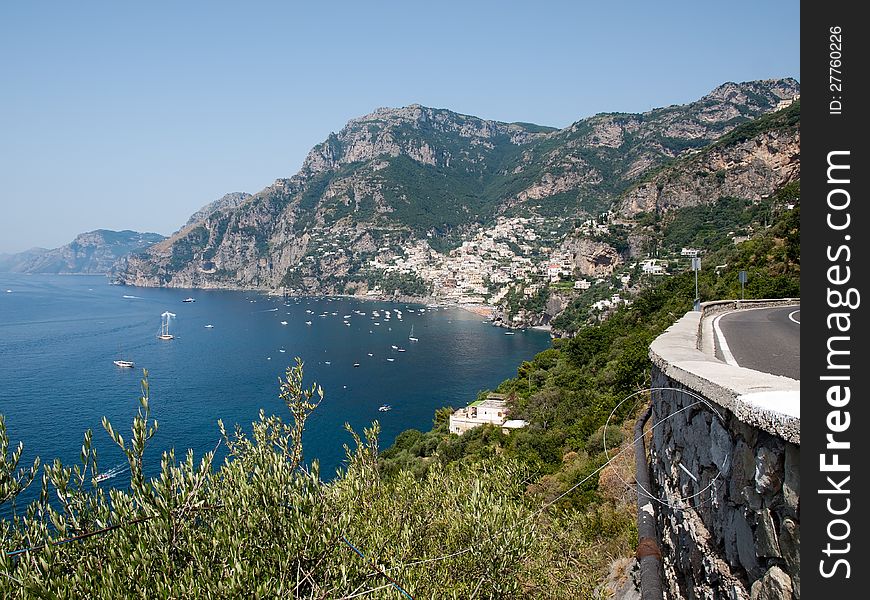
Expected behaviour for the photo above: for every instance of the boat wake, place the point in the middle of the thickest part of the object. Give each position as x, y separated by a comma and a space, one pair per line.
113, 472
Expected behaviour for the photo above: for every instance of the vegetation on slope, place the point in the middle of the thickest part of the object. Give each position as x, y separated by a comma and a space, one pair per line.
261, 525
568, 392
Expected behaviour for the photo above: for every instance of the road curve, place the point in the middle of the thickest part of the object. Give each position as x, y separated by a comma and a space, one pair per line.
763, 339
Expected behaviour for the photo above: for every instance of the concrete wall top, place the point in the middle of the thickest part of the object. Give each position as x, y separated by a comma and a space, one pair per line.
769, 402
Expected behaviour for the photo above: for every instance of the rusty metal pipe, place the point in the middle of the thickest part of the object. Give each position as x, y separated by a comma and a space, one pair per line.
649, 553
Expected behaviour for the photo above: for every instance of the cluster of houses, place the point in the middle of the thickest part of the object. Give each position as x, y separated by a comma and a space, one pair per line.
482, 266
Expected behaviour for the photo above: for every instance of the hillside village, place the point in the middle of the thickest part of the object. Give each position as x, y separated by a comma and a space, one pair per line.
525, 254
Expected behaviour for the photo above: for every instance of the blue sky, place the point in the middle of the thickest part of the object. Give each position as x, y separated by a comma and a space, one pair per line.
123, 116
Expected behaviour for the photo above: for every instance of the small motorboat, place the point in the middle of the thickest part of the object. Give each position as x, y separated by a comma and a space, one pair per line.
125, 364
355, 364
189, 300
209, 326
283, 322
385, 407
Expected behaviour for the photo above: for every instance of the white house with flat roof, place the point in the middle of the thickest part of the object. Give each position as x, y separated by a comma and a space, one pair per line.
492, 410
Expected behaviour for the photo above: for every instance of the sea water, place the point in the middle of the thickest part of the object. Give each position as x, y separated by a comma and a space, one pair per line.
60, 334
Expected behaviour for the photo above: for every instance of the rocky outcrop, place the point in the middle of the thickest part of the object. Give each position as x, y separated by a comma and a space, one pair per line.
555, 304
94, 252
750, 168
592, 258
224, 203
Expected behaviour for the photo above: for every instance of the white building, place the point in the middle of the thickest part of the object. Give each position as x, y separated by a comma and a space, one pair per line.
492, 410
690, 252
651, 267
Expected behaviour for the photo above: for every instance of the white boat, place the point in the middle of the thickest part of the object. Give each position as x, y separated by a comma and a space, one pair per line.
385, 407
308, 322
283, 322
126, 364
394, 347
164, 326
189, 300
356, 364
411, 335
209, 326
401, 349
113, 472
509, 333
370, 354
391, 359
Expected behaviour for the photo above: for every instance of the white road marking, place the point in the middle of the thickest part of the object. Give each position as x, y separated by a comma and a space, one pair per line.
791, 316
723, 345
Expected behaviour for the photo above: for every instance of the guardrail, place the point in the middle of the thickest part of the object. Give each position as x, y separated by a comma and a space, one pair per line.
724, 467
769, 402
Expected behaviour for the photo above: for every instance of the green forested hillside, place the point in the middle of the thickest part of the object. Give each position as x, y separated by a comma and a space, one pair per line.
538, 513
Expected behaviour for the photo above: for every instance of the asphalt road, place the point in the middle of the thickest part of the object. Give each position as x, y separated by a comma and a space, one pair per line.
764, 339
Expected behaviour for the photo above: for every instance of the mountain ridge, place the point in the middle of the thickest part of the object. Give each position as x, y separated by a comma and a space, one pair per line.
92, 252
396, 177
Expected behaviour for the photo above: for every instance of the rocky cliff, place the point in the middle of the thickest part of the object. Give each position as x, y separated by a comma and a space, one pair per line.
224, 203
89, 253
398, 176
751, 163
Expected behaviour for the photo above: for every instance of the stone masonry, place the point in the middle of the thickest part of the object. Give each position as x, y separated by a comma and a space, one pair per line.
729, 487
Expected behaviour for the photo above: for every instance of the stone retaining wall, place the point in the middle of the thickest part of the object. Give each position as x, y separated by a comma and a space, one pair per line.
726, 472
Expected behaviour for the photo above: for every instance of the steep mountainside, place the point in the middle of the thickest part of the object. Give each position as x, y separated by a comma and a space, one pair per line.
707, 200
400, 175
92, 252
224, 203
16, 262
751, 162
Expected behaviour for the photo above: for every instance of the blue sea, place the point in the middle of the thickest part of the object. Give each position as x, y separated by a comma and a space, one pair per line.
60, 334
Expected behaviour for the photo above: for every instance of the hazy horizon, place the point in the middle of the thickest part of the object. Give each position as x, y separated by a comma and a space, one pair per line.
119, 117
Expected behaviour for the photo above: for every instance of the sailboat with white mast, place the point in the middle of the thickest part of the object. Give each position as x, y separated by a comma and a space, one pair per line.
164, 326
411, 335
